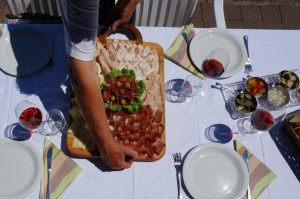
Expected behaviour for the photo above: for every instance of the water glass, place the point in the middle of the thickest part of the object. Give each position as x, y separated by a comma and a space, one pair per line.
191, 86
55, 122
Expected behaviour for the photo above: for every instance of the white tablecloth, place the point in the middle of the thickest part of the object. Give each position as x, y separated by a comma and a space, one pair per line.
271, 51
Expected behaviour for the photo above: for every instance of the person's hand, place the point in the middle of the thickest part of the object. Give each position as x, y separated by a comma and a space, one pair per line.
121, 14
125, 14
116, 155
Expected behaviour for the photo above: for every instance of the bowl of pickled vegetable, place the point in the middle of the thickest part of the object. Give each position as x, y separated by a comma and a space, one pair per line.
245, 102
256, 86
288, 79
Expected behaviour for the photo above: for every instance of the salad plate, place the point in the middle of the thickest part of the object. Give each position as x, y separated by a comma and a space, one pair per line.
21, 168
206, 41
24, 51
214, 171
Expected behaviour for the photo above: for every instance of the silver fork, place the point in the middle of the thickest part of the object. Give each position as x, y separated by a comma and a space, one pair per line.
248, 67
177, 164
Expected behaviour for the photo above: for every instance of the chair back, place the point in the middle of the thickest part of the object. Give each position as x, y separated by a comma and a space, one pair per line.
49, 7
218, 13
164, 12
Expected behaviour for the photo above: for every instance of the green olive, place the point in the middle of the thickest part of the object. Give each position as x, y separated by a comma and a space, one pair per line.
122, 91
119, 83
127, 84
123, 101
113, 98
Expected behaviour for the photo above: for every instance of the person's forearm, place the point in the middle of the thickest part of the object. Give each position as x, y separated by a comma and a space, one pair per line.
87, 89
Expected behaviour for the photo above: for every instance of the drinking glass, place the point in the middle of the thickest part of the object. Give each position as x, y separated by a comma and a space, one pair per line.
216, 63
191, 86
260, 121
29, 115
55, 122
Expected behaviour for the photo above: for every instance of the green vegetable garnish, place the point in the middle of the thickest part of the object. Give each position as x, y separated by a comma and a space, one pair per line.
140, 88
116, 73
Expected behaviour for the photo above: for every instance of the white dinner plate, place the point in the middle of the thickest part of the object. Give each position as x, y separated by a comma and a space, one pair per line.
215, 171
207, 40
21, 168
24, 51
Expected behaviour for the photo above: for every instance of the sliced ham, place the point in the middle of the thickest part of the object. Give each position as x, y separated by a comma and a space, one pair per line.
104, 66
146, 51
159, 146
111, 62
158, 116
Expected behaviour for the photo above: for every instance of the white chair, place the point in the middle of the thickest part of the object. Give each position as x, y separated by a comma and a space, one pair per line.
49, 7
218, 13
156, 12
173, 13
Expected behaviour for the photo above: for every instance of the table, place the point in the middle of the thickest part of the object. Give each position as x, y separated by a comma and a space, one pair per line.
271, 51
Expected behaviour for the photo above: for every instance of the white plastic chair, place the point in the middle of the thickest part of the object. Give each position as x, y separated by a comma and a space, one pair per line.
49, 7
157, 12
218, 13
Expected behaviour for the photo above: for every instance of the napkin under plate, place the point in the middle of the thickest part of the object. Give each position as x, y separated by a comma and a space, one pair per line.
179, 51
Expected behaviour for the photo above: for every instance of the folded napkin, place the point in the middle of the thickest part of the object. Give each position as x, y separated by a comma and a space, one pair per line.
63, 172
179, 53
260, 175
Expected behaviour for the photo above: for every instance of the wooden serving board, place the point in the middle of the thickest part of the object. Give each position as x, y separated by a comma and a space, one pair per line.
96, 154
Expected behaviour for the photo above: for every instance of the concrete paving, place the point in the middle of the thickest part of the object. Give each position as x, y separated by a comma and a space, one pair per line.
251, 16
247, 14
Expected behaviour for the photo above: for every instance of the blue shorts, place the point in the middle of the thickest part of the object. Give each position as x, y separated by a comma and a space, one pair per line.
80, 19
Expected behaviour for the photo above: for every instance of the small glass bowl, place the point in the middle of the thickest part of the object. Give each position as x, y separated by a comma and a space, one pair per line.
288, 79
245, 103
256, 86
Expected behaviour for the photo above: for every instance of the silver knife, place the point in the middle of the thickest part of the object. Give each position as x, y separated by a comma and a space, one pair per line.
246, 159
49, 162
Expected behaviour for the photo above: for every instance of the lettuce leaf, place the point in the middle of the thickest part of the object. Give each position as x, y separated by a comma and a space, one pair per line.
140, 88
132, 107
112, 107
127, 72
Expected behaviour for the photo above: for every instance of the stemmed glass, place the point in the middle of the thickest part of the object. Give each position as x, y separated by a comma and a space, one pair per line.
31, 117
259, 121
216, 63
190, 87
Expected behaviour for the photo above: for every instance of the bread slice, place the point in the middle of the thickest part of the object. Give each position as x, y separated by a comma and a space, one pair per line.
295, 120
297, 131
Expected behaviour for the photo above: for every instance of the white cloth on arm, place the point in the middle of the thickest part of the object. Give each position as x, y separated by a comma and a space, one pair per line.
80, 19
